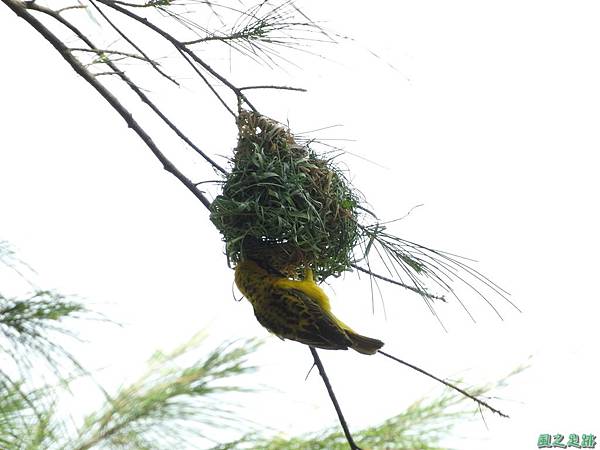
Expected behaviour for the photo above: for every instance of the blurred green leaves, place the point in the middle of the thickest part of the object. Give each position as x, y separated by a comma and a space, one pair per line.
172, 405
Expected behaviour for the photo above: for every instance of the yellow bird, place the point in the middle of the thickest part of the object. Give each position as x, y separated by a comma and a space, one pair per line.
297, 309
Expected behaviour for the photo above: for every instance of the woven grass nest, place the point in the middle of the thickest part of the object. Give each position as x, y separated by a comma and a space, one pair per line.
284, 204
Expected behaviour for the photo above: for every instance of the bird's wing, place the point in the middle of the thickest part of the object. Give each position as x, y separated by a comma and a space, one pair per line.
291, 314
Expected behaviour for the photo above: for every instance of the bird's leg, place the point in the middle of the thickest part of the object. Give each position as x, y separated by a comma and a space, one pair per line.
308, 275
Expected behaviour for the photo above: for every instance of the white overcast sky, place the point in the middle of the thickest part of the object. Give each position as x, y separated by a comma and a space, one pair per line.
489, 117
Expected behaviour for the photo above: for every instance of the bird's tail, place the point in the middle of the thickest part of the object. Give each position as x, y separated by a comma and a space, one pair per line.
363, 344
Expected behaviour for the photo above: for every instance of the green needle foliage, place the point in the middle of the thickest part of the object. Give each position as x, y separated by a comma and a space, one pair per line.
33, 325
26, 419
27, 325
172, 405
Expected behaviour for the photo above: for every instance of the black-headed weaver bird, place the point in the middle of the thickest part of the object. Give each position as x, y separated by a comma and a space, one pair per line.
297, 309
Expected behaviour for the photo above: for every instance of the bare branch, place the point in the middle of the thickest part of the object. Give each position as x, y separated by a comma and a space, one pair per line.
445, 383
103, 74
336, 405
208, 84
102, 53
285, 88
133, 44
68, 8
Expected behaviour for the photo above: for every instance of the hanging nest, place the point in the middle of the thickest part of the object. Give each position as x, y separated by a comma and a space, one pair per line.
284, 205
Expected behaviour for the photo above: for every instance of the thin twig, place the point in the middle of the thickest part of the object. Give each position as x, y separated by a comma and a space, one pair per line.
103, 74
445, 383
223, 38
398, 283
102, 52
286, 88
133, 44
68, 8
336, 405
186, 57
177, 44
135, 5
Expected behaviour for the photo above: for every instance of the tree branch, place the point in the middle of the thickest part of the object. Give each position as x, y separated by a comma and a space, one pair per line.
102, 52
445, 383
336, 405
69, 8
133, 44
284, 88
